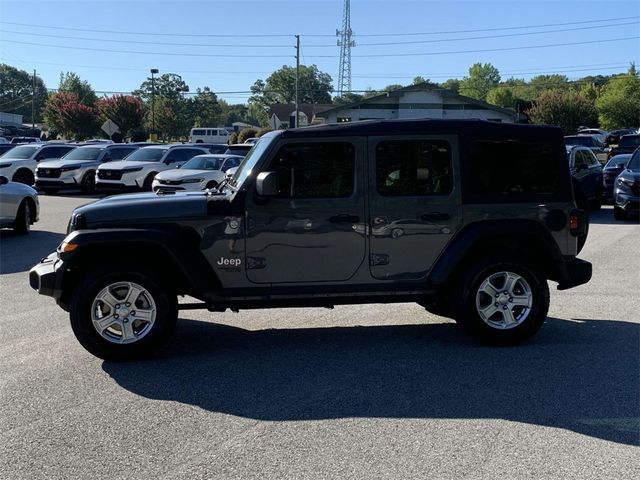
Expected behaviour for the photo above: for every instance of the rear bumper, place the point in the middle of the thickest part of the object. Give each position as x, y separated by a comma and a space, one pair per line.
573, 273
46, 276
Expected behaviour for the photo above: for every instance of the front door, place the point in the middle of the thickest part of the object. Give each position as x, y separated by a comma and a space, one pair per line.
414, 207
310, 231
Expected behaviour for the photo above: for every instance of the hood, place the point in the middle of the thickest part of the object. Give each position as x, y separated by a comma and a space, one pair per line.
630, 174
145, 208
64, 163
184, 174
125, 164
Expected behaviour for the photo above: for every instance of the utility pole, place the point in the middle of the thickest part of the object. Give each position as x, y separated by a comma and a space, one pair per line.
153, 102
297, 79
33, 104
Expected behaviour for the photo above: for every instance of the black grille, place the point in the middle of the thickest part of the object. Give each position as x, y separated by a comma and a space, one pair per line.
109, 174
170, 182
48, 172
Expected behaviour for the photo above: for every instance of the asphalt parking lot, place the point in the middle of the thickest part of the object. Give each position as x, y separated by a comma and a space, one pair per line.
374, 391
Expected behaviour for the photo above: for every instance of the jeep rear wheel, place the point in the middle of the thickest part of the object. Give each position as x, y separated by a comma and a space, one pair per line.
122, 315
502, 302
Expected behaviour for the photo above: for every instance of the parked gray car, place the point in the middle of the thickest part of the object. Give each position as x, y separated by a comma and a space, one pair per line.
19, 206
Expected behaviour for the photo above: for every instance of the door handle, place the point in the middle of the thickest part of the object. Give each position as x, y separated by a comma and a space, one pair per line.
344, 218
435, 217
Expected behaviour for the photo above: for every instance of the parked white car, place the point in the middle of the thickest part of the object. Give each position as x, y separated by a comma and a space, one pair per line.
77, 169
19, 163
138, 170
19, 206
199, 173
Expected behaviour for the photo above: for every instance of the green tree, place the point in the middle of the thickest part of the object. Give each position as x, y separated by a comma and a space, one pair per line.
619, 101
126, 111
314, 86
567, 110
347, 98
167, 85
205, 109
542, 83
451, 84
481, 79
172, 121
17, 93
72, 83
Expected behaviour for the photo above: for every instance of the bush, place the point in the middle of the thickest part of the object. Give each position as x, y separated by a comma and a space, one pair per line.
247, 133
263, 130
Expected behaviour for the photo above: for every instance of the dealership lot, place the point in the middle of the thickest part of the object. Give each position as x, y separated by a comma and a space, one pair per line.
373, 391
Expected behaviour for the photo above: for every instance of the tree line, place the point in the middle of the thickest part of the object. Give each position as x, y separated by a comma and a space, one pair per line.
166, 106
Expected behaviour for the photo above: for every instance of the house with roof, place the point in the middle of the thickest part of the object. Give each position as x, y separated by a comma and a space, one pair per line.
283, 115
420, 101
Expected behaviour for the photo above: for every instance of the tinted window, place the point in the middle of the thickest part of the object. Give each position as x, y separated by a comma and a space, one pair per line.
182, 154
21, 152
634, 163
199, 132
315, 170
202, 162
148, 154
513, 169
615, 160
413, 167
630, 141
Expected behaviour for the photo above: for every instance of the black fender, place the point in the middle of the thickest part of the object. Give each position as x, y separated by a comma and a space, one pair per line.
526, 238
172, 253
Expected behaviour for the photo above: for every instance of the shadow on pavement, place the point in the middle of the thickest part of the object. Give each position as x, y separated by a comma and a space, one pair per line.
18, 253
577, 375
605, 217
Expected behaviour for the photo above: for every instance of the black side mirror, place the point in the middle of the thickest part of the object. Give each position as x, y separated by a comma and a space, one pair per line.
267, 184
4, 180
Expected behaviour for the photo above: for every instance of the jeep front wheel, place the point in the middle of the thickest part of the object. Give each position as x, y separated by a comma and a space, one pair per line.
122, 315
502, 303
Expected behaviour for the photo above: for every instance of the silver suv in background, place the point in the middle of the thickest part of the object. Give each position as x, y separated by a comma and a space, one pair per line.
138, 170
77, 169
199, 173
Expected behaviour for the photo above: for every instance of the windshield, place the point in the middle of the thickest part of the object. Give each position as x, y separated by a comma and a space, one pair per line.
146, 154
630, 141
249, 162
634, 163
83, 154
202, 162
21, 152
584, 141
614, 161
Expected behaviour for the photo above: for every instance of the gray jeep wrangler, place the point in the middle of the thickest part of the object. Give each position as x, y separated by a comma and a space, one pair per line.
470, 219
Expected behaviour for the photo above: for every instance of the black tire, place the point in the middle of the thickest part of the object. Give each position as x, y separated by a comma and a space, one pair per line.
151, 334
526, 286
23, 176
22, 223
88, 183
618, 213
148, 182
211, 184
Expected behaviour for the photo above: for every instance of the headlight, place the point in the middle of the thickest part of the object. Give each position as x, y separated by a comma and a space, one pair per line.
5, 165
626, 182
68, 169
129, 170
192, 180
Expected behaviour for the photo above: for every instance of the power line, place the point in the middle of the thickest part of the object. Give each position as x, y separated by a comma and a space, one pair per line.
165, 34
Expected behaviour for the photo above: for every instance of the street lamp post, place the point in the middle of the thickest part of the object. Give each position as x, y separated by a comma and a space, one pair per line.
153, 100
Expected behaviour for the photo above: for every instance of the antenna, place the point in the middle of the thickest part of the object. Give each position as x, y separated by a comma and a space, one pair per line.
345, 43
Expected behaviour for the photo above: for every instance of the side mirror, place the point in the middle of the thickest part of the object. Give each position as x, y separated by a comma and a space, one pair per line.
267, 184
4, 180
231, 172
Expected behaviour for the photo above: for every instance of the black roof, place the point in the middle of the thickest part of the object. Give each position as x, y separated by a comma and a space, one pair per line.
420, 126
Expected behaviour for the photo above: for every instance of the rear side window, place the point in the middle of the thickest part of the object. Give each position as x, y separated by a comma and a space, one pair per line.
318, 170
513, 169
413, 168
199, 132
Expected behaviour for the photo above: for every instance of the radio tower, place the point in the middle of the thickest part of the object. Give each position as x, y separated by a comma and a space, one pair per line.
345, 43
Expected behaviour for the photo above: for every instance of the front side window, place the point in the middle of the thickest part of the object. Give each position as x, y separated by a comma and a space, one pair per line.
315, 170
413, 168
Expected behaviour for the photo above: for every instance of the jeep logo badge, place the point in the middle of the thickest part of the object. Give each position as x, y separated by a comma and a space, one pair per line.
229, 263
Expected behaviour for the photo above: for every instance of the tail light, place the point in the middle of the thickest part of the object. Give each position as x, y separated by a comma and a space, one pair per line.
577, 222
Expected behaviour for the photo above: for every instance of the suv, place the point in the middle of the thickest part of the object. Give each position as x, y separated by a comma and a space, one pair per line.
587, 171
138, 170
77, 169
487, 213
627, 189
19, 163
627, 144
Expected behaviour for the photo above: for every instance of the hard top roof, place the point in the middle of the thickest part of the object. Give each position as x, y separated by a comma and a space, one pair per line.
420, 126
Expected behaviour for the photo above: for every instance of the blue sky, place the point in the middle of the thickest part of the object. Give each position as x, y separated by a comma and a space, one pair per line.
227, 45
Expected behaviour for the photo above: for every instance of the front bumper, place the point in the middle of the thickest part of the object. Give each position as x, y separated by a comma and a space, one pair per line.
573, 273
46, 276
628, 203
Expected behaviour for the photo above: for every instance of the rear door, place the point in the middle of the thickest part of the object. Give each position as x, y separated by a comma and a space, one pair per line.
308, 233
414, 208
